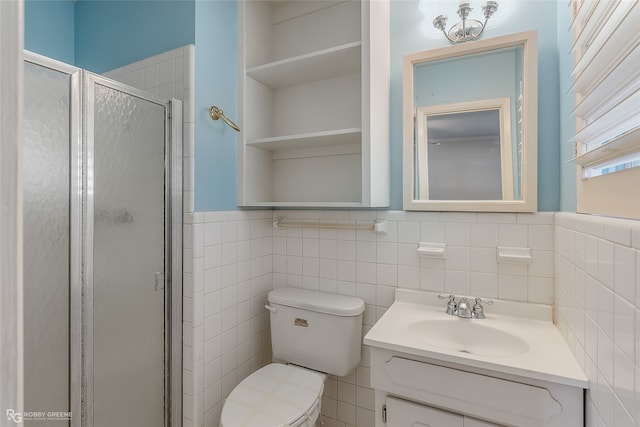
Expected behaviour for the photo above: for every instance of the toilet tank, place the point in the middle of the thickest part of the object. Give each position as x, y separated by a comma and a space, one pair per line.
316, 330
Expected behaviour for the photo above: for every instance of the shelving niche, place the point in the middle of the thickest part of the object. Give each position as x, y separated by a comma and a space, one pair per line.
314, 103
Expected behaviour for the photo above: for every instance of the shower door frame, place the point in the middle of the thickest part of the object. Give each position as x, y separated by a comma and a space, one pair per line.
81, 242
173, 246
75, 226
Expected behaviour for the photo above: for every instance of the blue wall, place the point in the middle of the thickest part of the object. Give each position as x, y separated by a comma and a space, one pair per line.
216, 154
408, 35
110, 34
49, 28
567, 103
100, 35
216, 84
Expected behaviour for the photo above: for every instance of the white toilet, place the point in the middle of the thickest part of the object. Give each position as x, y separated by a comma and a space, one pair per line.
316, 334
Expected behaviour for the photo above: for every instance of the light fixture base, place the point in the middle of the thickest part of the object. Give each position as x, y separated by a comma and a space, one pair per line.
470, 31
467, 29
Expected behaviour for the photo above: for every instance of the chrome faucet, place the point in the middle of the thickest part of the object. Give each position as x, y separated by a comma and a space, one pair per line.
452, 306
478, 310
463, 308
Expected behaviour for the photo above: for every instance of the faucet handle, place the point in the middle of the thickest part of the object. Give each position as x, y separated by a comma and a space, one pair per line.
478, 310
452, 306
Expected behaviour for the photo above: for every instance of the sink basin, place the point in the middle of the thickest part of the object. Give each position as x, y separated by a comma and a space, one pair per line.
467, 336
515, 339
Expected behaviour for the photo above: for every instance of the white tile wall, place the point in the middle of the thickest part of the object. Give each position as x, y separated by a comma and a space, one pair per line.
371, 266
365, 264
597, 295
234, 254
169, 75
237, 257
226, 329
232, 259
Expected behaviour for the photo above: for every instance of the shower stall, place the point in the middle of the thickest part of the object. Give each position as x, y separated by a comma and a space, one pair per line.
102, 251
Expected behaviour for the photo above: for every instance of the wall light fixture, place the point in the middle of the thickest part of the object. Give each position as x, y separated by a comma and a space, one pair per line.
467, 29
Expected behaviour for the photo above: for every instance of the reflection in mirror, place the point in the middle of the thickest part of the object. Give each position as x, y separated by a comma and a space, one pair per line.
470, 126
464, 152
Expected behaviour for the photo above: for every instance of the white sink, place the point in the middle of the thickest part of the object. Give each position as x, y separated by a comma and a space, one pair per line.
515, 338
467, 336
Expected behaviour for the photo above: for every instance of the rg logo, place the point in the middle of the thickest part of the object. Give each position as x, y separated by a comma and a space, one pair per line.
14, 416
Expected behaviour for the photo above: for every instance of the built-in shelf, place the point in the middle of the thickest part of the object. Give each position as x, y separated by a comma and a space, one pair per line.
307, 140
315, 116
320, 65
321, 204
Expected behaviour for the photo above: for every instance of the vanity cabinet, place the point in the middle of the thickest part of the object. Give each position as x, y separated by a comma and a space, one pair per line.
313, 103
403, 413
415, 391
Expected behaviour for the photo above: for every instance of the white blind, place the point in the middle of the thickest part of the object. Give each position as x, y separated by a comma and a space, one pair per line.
606, 75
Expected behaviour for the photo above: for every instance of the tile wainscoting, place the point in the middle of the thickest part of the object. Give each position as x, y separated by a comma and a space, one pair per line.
237, 257
226, 327
597, 296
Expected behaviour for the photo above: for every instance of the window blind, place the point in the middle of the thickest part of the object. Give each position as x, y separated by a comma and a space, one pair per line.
606, 77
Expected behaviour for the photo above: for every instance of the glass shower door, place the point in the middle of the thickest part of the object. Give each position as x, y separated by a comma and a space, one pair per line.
126, 135
102, 251
51, 228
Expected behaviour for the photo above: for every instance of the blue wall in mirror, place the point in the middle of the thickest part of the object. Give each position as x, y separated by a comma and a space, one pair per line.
468, 78
490, 75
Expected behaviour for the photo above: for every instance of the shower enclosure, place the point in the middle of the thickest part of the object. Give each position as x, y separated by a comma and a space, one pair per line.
102, 251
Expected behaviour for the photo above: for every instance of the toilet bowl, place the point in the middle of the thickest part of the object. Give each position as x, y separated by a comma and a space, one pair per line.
316, 334
274, 396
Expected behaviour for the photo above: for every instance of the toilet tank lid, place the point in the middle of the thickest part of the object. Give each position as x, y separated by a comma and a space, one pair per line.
322, 302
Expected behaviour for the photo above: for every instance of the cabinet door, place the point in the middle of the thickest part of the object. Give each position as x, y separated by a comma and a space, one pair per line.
402, 413
474, 422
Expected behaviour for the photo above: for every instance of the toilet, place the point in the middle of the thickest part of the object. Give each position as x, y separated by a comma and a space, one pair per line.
314, 334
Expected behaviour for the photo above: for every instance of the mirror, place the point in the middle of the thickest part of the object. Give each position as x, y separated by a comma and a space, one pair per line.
464, 151
470, 126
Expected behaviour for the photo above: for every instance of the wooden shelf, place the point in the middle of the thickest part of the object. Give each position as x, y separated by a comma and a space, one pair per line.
321, 65
342, 137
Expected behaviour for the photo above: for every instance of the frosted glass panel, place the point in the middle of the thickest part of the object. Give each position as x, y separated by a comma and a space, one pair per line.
46, 182
128, 252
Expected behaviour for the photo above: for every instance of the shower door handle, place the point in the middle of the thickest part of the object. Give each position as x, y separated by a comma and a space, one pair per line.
159, 280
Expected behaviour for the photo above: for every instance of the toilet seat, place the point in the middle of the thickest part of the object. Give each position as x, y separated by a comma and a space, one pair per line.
275, 396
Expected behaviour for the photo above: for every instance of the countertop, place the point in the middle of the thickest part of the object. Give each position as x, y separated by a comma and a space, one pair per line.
548, 357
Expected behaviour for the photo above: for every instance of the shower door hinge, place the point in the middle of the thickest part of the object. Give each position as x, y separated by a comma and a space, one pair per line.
159, 281
384, 413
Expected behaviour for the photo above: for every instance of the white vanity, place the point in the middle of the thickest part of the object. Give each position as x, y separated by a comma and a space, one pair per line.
513, 368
